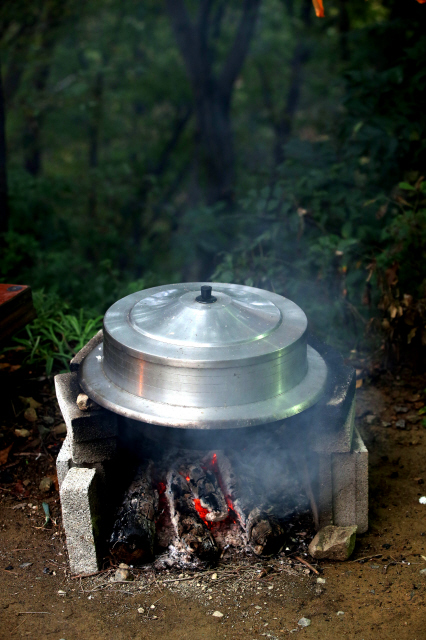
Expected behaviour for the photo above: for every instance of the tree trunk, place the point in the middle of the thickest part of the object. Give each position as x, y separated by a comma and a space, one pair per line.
212, 89
283, 121
216, 148
4, 203
93, 135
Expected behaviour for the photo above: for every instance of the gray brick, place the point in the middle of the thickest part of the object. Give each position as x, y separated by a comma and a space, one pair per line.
344, 486
63, 461
361, 472
93, 451
336, 440
82, 426
325, 490
81, 515
350, 486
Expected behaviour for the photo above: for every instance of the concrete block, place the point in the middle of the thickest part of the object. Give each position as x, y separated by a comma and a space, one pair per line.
63, 461
79, 357
344, 489
361, 473
325, 490
350, 486
82, 426
81, 515
84, 453
326, 440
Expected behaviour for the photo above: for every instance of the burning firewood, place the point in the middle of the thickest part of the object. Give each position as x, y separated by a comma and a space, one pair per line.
192, 534
133, 534
207, 492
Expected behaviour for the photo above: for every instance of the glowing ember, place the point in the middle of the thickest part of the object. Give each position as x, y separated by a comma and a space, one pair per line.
202, 512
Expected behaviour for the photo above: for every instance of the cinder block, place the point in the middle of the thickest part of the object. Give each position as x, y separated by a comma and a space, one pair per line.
82, 426
335, 440
344, 489
350, 486
84, 453
81, 515
79, 357
63, 461
360, 453
325, 490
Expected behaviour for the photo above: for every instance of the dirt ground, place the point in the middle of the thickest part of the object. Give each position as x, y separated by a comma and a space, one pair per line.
380, 597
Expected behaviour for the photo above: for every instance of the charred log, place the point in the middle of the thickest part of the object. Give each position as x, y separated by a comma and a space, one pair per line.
133, 534
265, 534
205, 488
192, 535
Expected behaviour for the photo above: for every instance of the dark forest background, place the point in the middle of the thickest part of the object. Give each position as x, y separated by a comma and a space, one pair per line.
243, 141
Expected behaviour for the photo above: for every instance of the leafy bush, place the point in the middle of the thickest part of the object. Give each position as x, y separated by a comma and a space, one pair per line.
56, 335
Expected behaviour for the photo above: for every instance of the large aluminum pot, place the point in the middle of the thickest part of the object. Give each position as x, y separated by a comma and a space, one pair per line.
204, 356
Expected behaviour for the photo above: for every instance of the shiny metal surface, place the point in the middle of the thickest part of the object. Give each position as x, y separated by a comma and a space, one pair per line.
169, 359
96, 384
167, 326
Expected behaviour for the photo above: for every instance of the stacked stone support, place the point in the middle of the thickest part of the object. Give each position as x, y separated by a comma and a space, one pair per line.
86, 461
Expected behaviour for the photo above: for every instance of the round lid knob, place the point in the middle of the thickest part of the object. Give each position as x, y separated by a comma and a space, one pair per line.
206, 295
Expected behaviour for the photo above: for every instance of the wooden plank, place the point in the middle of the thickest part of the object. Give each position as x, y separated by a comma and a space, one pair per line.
16, 309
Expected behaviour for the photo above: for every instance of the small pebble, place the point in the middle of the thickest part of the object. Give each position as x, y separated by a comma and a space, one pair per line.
217, 614
121, 575
62, 593
423, 572
30, 414
152, 606
340, 613
46, 484
141, 610
60, 429
22, 433
214, 576
422, 500
304, 622
321, 580
257, 607
400, 424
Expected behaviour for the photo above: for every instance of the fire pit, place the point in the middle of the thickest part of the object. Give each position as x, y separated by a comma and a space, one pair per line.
201, 423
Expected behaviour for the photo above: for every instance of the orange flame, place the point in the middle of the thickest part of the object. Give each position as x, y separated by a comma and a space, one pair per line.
319, 7
421, 1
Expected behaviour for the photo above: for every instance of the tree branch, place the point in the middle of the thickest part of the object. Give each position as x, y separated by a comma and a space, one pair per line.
239, 49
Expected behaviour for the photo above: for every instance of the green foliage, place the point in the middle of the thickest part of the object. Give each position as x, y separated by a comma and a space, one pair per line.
56, 335
118, 204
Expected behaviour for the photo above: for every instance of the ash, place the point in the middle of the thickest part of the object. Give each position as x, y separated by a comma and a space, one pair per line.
188, 509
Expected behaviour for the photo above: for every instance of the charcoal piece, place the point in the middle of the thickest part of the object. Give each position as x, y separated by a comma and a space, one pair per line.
265, 534
132, 538
240, 498
205, 488
192, 533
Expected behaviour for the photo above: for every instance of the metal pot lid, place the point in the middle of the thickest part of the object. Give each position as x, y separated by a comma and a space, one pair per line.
168, 325
204, 356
